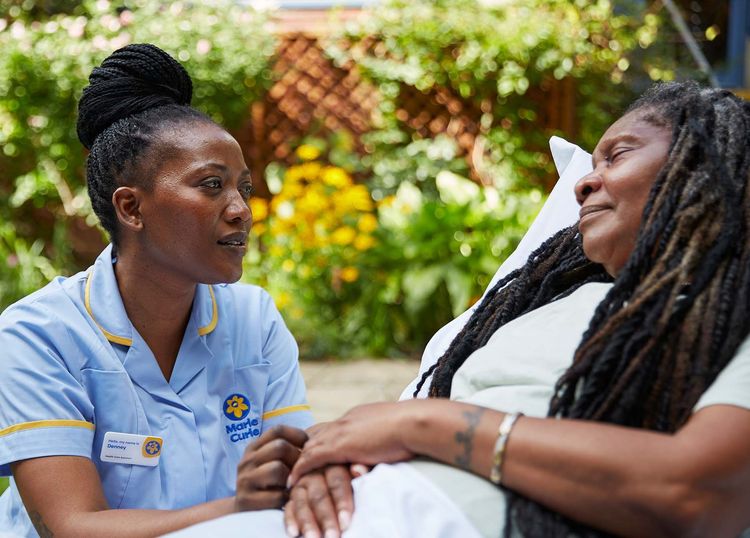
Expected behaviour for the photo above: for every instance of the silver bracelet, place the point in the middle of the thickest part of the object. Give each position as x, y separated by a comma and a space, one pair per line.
503, 432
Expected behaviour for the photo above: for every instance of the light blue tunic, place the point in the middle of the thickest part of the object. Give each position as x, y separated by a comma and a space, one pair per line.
72, 368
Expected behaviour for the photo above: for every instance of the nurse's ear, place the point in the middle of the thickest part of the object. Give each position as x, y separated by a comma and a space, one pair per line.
126, 201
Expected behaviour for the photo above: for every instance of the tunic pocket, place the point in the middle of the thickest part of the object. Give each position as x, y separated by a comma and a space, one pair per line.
116, 409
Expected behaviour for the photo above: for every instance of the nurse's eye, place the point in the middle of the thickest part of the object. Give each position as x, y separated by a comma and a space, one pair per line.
211, 183
246, 190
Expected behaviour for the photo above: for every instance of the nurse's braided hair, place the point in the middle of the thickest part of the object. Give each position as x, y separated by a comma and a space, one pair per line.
677, 311
138, 91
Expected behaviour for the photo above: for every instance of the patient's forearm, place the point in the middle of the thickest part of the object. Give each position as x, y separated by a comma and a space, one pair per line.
623, 480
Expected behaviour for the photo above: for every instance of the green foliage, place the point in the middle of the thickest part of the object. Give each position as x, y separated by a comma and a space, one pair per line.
349, 283
43, 69
491, 54
3, 483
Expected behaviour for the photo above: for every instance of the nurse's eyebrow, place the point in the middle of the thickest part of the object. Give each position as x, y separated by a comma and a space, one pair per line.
223, 168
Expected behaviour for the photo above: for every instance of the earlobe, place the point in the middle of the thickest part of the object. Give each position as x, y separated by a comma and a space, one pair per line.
126, 201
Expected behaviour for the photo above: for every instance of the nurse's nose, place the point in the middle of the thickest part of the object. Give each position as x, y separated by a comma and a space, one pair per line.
238, 208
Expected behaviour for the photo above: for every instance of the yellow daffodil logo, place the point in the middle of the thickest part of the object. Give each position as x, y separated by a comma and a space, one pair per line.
151, 447
236, 406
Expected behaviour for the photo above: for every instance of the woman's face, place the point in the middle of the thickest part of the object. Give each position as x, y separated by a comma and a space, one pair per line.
612, 197
196, 216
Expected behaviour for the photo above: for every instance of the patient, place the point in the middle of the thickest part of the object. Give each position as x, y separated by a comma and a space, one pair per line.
603, 387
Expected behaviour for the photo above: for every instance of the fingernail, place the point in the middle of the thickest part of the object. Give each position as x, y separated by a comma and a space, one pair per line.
292, 531
331, 533
288, 482
358, 469
345, 519
312, 534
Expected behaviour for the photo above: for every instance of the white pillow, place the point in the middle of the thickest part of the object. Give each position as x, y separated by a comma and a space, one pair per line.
559, 211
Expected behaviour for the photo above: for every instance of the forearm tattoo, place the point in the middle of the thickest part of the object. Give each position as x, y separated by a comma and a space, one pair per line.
41, 528
466, 438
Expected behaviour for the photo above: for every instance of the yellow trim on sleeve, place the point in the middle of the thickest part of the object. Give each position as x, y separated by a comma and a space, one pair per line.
285, 410
87, 302
203, 331
46, 424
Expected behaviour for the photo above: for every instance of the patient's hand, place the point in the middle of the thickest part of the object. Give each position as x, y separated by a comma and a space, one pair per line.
320, 503
367, 434
263, 471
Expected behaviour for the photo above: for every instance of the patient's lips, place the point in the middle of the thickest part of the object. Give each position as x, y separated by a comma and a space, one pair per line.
591, 209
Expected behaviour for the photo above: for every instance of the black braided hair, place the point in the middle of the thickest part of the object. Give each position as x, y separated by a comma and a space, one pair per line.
136, 93
679, 308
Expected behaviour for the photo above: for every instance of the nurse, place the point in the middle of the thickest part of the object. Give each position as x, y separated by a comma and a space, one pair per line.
131, 392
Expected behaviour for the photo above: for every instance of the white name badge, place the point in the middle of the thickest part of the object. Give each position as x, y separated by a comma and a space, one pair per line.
131, 449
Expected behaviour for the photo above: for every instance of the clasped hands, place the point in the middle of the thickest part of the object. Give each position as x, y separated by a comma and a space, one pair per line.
309, 473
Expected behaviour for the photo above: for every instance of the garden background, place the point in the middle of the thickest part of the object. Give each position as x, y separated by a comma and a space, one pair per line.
398, 153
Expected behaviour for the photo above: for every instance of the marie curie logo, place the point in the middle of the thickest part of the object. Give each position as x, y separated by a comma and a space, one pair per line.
151, 447
237, 409
236, 406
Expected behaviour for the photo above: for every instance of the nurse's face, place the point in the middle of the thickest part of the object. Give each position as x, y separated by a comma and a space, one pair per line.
195, 215
612, 197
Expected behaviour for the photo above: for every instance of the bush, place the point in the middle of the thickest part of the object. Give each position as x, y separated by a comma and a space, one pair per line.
43, 68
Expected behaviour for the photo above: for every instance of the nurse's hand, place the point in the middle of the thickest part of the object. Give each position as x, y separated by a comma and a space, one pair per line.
321, 503
263, 471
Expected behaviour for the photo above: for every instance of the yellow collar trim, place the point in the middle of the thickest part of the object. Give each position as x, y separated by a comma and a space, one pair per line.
87, 302
203, 331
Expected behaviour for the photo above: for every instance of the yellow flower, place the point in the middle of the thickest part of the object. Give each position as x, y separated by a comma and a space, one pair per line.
364, 242
259, 208
283, 299
312, 203
287, 265
344, 235
259, 229
310, 171
276, 251
349, 274
367, 223
336, 177
306, 152
236, 406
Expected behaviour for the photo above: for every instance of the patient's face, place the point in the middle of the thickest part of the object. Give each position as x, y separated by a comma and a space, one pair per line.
626, 161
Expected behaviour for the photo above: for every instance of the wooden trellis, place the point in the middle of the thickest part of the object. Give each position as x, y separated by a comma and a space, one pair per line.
313, 94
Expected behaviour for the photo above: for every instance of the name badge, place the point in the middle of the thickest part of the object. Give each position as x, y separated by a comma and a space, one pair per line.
131, 449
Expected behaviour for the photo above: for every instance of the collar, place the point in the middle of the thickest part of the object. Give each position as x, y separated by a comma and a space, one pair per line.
104, 304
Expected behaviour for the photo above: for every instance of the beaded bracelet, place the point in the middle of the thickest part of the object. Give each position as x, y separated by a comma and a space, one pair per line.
503, 432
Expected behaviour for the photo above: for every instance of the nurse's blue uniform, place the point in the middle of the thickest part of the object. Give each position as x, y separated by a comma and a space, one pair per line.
73, 368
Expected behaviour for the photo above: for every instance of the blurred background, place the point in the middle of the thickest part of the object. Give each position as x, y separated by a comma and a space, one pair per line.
398, 147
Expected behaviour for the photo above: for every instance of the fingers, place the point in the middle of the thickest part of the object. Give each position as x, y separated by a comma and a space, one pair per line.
275, 449
315, 456
339, 482
259, 500
270, 475
359, 469
263, 472
312, 510
295, 436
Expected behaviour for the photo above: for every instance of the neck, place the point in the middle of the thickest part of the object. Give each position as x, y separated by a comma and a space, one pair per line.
158, 308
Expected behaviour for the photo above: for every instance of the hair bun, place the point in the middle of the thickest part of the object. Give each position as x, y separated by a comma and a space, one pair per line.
131, 80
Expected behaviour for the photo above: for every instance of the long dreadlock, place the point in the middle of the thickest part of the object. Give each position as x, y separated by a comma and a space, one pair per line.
679, 308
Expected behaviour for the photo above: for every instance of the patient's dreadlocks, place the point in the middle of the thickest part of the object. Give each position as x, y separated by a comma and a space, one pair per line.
137, 92
677, 311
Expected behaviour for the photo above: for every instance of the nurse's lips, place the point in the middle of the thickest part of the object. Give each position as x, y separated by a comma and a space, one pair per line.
591, 209
236, 240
